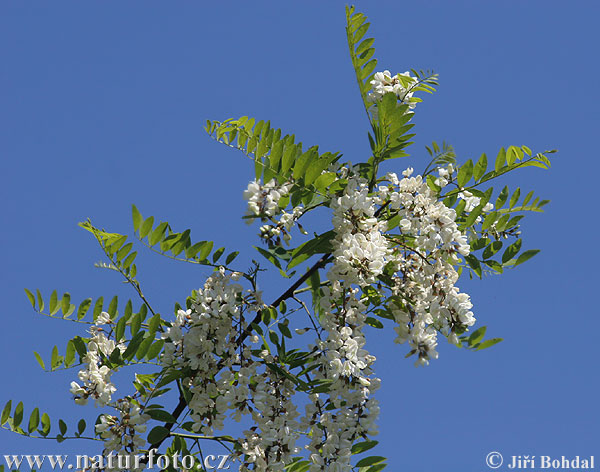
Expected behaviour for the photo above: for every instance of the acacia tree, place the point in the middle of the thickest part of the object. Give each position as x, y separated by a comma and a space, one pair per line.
393, 257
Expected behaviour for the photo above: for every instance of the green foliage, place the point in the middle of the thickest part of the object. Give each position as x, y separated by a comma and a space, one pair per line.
361, 50
162, 239
280, 158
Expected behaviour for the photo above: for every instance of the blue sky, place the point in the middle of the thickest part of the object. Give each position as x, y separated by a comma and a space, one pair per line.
102, 105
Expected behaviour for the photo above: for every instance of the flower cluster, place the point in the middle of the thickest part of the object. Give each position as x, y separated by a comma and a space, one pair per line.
264, 203
347, 410
121, 434
263, 199
360, 249
202, 339
401, 84
271, 443
426, 299
95, 378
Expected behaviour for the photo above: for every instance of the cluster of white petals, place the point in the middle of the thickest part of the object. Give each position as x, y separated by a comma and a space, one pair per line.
401, 85
427, 300
271, 443
347, 411
263, 199
203, 339
360, 249
95, 377
121, 434
263, 203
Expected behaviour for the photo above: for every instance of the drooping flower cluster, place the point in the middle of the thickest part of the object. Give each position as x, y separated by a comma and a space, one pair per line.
271, 443
360, 249
95, 377
264, 203
401, 84
263, 199
202, 339
121, 434
429, 245
347, 410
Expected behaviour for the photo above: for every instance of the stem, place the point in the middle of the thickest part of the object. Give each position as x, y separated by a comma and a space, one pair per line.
212, 438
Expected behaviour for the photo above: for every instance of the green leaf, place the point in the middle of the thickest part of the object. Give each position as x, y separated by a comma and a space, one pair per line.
144, 347
289, 156
55, 359
124, 251
489, 220
525, 256
40, 300
6, 412
70, 354
500, 160
146, 227
161, 415
98, 306
46, 425
515, 198
477, 336
474, 264
155, 349
231, 257
502, 197
157, 434
285, 331
371, 460
465, 173
268, 256
488, 343
34, 420
84, 306
62, 427
53, 307
361, 447
136, 323
475, 212
478, 244
80, 346
112, 307
492, 249
153, 324
318, 245
511, 251
158, 233
81, 426
133, 345
205, 251
374, 322
31, 298
40, 360
18, 416
480, 168
324, 181
217, 254
136, 216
